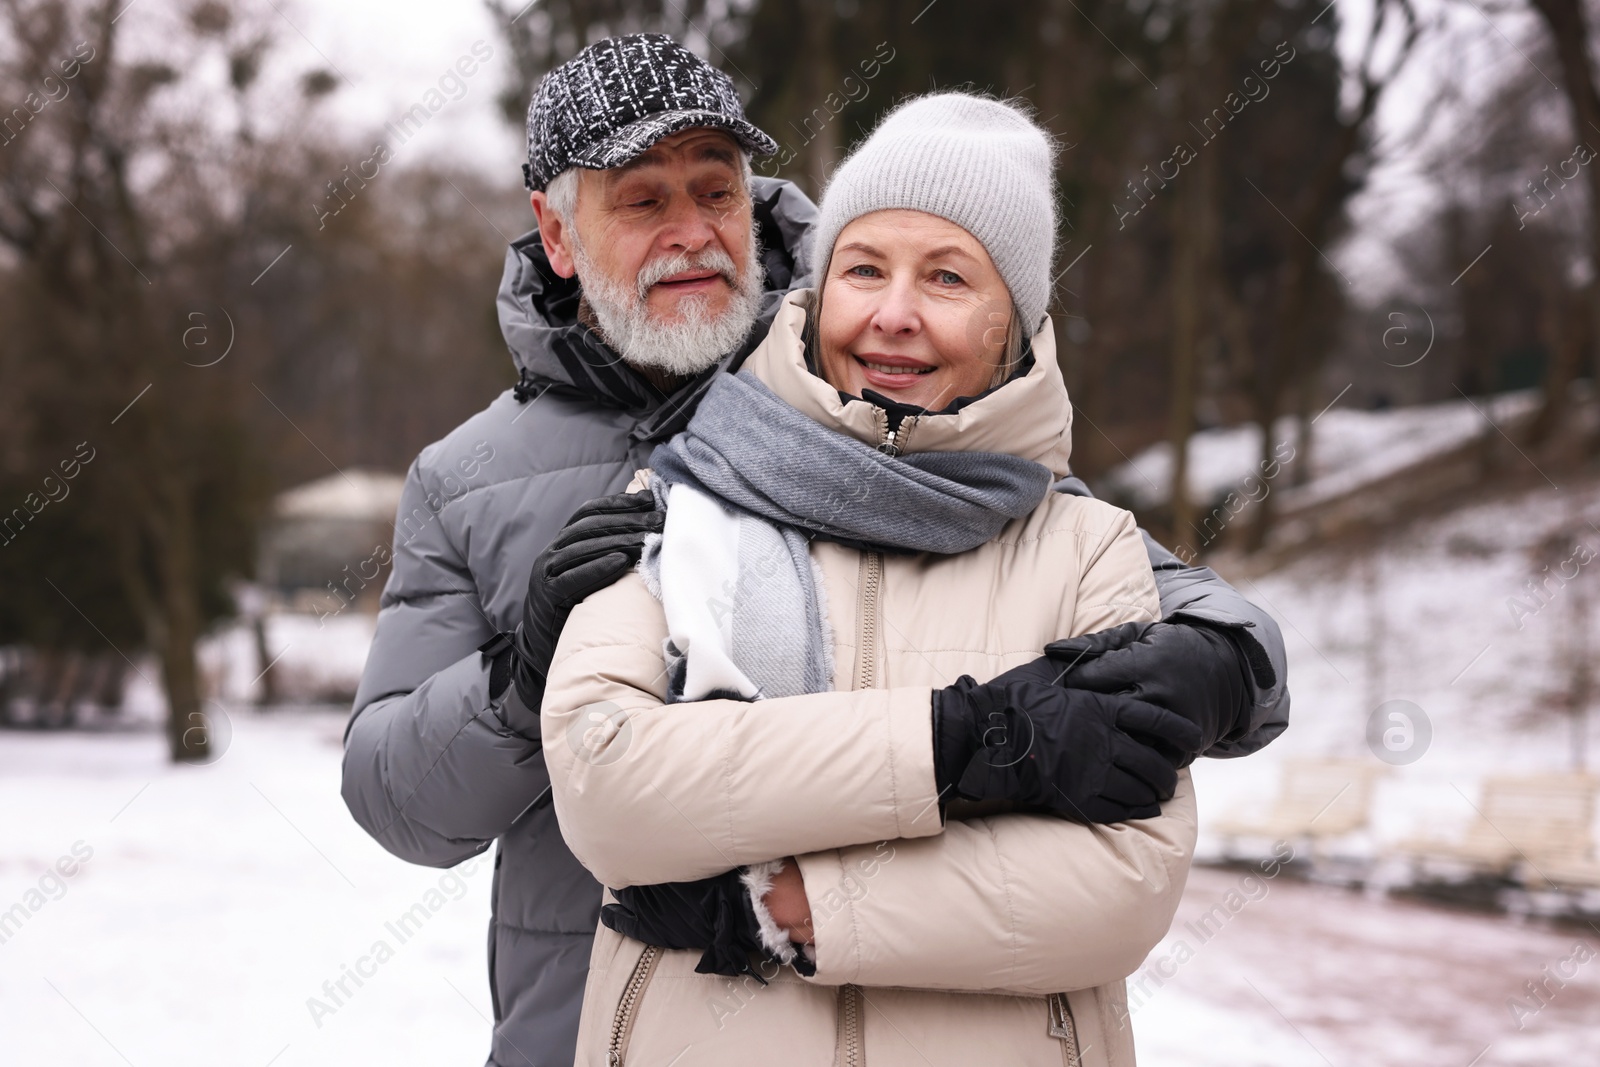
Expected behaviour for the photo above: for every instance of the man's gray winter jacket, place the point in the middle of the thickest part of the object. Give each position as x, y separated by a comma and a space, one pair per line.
432, 769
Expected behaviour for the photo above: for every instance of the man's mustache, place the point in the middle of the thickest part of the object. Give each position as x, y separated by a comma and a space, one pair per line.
715, 259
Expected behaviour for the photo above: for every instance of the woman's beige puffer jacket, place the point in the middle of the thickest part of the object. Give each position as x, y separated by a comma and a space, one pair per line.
1001, 940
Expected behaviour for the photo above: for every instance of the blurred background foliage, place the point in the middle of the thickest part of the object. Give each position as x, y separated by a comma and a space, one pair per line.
178, 295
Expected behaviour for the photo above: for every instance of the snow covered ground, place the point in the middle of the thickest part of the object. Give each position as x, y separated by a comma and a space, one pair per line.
210, 913
215, 903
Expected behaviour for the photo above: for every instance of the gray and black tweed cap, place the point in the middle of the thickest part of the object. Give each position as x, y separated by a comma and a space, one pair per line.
619, 96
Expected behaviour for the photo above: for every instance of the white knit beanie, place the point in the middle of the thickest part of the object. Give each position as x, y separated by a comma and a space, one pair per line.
980, 163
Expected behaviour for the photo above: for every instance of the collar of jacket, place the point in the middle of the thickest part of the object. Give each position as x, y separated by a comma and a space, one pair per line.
551, 348
1029, 416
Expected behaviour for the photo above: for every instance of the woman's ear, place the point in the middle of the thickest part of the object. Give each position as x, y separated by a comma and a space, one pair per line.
554, 235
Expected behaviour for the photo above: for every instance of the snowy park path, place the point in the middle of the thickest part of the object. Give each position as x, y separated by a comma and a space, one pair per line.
220, 909
1284, 973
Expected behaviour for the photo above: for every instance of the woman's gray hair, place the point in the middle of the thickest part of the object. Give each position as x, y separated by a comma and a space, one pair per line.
1017, 335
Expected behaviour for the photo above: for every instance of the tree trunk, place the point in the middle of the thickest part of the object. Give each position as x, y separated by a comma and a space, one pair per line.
1194, 224
269, 672
1269, 395
1579, 645
1185, 343
1570, 30
1565, 345
822, 146
1058, 67
188, 734
1581, 681
1300, 474
1377, 638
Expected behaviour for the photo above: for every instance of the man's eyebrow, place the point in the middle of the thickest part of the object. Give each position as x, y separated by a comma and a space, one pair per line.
638, 162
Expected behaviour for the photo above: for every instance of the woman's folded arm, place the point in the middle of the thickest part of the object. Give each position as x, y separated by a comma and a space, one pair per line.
1017, 903
648, 793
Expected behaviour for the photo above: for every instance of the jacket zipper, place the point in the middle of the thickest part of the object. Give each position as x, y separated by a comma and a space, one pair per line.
1063, 1028
870, 586
851, 1054
850, 1051
622, 1024
871, 574
867, 638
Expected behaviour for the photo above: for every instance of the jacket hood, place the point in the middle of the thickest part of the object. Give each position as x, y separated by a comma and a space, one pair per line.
1029, 416
539, 309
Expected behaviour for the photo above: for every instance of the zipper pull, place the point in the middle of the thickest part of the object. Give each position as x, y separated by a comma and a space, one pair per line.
1062, 1026
894, 440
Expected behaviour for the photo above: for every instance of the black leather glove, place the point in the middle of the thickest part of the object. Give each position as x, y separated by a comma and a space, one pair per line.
1085, 756
714, 914
1192, 668
599, 544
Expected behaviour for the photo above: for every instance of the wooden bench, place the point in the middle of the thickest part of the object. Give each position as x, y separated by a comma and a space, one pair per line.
1575, 872
1523, 822
1318, 799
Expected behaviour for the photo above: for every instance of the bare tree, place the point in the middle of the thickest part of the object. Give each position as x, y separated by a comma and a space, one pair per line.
120, 207
1570, 27
1313, 216
1217, 38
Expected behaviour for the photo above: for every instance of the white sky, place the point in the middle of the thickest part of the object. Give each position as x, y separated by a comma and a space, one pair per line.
389, 53
394, 51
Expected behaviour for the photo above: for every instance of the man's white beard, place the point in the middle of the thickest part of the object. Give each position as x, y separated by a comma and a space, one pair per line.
695, 342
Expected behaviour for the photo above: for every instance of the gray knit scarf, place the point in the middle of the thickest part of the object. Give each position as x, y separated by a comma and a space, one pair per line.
785, 479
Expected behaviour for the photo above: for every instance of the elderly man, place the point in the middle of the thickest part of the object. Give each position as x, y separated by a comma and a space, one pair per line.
658, 263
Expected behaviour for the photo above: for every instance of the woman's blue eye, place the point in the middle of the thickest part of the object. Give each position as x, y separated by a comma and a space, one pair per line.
948, 277
863, 271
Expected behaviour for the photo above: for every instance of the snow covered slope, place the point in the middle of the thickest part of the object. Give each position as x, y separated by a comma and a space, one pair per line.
1439, 614
1349, 448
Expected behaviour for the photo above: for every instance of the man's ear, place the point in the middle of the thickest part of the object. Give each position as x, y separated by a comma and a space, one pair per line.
553, 234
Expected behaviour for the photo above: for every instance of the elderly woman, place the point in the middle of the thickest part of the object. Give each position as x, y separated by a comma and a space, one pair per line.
860, 533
